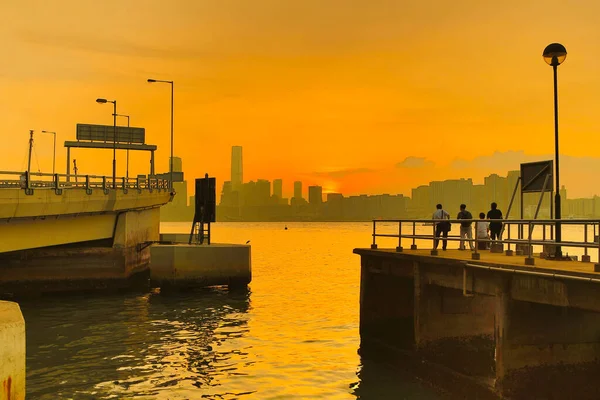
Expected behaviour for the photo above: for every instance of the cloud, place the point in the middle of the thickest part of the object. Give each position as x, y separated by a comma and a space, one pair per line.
343, 173
504, 161
415, 162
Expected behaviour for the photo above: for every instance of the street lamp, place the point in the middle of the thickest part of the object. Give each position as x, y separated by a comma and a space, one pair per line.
127, 171
554, 55
54, 155
171, 161
103, 101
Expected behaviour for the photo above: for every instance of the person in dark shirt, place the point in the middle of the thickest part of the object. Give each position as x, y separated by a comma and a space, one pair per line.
495, 227
465, 228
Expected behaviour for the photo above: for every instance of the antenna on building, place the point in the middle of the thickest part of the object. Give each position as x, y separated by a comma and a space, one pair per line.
75, 169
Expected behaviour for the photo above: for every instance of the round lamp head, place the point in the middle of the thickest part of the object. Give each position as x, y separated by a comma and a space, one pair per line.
555, 54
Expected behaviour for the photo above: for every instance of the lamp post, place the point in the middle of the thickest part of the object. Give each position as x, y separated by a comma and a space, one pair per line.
127, 170
171, 160
54, 154
114, 102
554, 55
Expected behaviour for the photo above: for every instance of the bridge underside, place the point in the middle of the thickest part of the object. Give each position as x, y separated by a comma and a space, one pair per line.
97, 242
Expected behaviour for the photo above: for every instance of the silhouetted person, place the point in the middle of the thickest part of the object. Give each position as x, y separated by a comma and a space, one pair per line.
442, 227
495, 227
483, 229
465, 228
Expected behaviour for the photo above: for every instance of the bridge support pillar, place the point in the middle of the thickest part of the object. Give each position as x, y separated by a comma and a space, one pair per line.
542, 349
12, 352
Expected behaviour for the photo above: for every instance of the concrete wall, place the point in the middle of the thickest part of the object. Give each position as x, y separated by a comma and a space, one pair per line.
52, 231
134, 227
538, 337
200, 265
12, 352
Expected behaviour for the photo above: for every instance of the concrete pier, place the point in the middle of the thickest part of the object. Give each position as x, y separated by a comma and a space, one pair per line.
184, 265
12, 352
533, 332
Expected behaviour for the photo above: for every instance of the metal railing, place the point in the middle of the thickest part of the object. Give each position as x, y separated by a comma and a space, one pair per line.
517, 233
40, 180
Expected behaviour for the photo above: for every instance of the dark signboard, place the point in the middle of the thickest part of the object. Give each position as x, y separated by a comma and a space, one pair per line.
106, 133
533, 176
206, 200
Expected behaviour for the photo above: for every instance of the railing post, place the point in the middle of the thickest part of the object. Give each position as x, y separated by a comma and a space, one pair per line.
508, 252
124, 184
399, 248
529, 259
104, 183
413, 246
597, 265
585, 257
434, 251
56, 181
476, 255
374, 245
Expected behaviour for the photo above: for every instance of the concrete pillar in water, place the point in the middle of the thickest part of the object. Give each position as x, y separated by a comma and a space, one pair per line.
12, 352
453, 329
386, 304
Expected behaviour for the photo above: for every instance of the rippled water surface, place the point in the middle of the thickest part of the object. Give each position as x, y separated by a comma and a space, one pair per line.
293, 334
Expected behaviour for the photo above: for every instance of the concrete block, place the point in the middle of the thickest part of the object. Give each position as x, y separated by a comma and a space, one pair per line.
12, 351
497, 248
200, 265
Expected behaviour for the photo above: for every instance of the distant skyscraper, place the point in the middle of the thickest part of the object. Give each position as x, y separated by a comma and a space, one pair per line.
278, 188
177, 164
298, 190
237, 168
315, 195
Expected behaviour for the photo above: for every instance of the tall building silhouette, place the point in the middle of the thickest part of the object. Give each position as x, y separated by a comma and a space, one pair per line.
298, 190
237, 168
315, 195
278, 188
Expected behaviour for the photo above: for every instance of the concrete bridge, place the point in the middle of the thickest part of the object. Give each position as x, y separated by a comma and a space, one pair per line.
524, 331
50, 225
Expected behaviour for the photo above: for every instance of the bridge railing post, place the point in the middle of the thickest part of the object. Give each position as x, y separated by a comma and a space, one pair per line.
56, 180
104, 183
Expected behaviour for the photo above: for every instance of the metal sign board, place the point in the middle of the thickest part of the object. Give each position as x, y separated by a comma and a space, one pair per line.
533, 176
106, 133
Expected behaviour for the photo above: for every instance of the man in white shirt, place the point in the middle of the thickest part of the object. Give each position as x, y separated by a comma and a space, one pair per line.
441, 227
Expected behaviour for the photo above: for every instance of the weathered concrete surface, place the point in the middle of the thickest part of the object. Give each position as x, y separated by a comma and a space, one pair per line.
12, 352
386, 304
175, 237
46, 219
119, 261
200, 265
522, 329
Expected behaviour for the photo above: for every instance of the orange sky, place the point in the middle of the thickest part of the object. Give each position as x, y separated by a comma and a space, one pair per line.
333, 92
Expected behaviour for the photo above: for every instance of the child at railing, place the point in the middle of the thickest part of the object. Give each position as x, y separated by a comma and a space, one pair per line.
483, 229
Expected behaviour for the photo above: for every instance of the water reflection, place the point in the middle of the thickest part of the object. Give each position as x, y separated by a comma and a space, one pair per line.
143, 346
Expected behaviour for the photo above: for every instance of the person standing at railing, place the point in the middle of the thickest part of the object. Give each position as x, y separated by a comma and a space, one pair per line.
465, 228
442, 227
495, 227
483, 230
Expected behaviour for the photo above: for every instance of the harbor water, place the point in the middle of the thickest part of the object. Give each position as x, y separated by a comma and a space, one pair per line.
292, 335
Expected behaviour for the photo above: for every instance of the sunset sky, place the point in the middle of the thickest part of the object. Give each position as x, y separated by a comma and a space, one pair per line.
360, 96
